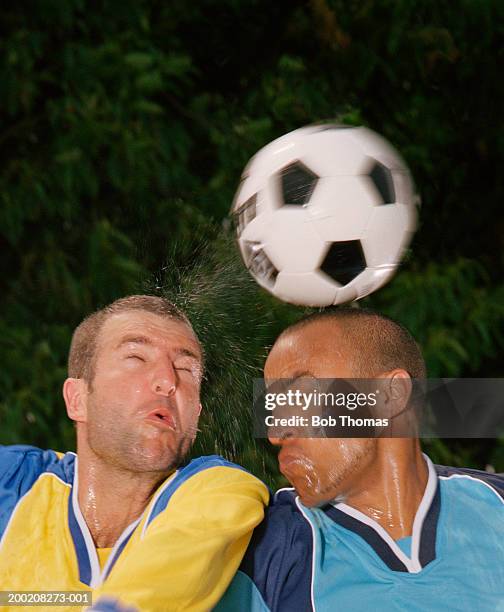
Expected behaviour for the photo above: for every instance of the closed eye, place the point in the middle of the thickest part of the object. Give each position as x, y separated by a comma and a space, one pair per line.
135, 357
193, 368
185, 369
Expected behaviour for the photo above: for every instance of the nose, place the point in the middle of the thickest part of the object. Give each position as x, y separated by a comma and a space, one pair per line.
278, 438
164, 380
274, 440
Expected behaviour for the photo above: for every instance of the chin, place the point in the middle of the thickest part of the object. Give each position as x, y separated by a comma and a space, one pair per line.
311, 501
159, 466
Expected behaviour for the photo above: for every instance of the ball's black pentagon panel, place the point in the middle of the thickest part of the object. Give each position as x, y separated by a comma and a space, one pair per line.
381, 178
259, 263
297, 183
344, 261
244, 214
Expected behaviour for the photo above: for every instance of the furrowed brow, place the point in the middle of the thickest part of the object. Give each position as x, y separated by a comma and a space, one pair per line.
134, 340
185, 352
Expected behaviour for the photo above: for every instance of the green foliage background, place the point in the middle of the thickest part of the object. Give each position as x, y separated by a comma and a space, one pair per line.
124, 127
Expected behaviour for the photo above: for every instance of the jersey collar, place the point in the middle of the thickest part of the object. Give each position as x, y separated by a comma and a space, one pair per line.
423, 540
90, 572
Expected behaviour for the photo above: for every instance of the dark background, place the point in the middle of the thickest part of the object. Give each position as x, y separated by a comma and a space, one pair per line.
124, 127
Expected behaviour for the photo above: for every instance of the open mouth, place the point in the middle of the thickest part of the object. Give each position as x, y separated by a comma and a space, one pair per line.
161, 418
290, 459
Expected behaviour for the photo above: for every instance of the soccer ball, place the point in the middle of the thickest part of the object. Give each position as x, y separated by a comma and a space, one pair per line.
324, 214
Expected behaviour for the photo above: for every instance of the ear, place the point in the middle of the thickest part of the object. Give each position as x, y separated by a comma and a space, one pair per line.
398, 390
75, 392
200, 409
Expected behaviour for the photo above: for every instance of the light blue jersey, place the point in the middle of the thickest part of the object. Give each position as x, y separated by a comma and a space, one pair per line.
337, 558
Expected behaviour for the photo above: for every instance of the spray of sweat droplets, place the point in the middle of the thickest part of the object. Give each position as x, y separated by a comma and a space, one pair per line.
235, 322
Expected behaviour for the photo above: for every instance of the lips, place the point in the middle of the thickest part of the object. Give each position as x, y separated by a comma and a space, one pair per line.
287, 459
162, 418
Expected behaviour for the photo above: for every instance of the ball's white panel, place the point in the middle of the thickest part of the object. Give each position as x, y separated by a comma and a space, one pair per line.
279, 153
341, 207
311, 289
345, 294
404, 188
372, 279
387, 234
333, 153
272, 199
247, 188
326, 152
257, 230
291, 241
373, 145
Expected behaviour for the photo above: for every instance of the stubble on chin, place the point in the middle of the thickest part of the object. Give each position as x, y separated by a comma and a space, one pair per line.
316, 487
135, 451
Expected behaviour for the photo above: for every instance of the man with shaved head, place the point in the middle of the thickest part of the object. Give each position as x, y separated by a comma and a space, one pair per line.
370, 523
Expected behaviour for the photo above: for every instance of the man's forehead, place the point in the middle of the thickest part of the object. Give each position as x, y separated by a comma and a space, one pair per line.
139, 324
312, 336
306, 342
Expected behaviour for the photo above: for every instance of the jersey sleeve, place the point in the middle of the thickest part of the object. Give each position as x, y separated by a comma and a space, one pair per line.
276, 572
20, 466
191, 550
494, 481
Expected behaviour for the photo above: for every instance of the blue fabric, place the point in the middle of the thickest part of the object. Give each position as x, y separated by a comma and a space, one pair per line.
405, 545
20, 466
278, 561
461, 554
242, 595
81, 552
107, 604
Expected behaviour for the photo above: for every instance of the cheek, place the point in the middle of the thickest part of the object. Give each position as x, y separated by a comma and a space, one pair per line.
189, 405
127, 387
118, 393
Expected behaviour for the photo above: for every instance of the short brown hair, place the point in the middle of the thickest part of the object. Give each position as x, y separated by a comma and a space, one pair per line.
375, 342
81, 358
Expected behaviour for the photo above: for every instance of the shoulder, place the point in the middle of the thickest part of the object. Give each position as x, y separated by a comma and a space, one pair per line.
20, 468
471, 481
208, 462
23, 463
284, 537
211, 483
213, 471
278, 561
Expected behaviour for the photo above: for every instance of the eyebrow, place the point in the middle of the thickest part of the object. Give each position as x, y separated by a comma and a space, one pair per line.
300, 374
134, 340
183, 352
294, 377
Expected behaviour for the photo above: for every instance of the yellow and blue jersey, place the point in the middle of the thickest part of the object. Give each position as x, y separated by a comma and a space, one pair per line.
337, 558
181, 554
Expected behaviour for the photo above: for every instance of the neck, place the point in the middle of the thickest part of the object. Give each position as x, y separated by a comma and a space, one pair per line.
391, 491
111, 497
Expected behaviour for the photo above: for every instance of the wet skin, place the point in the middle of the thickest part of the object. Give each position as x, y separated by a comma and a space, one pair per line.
136, 419
384, 478
144, 405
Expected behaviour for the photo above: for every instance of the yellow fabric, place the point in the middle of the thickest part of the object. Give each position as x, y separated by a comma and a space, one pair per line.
103, 555
187, 560
184, 561
37, 552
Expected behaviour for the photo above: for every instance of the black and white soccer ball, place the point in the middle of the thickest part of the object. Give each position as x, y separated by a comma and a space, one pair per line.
324, 214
